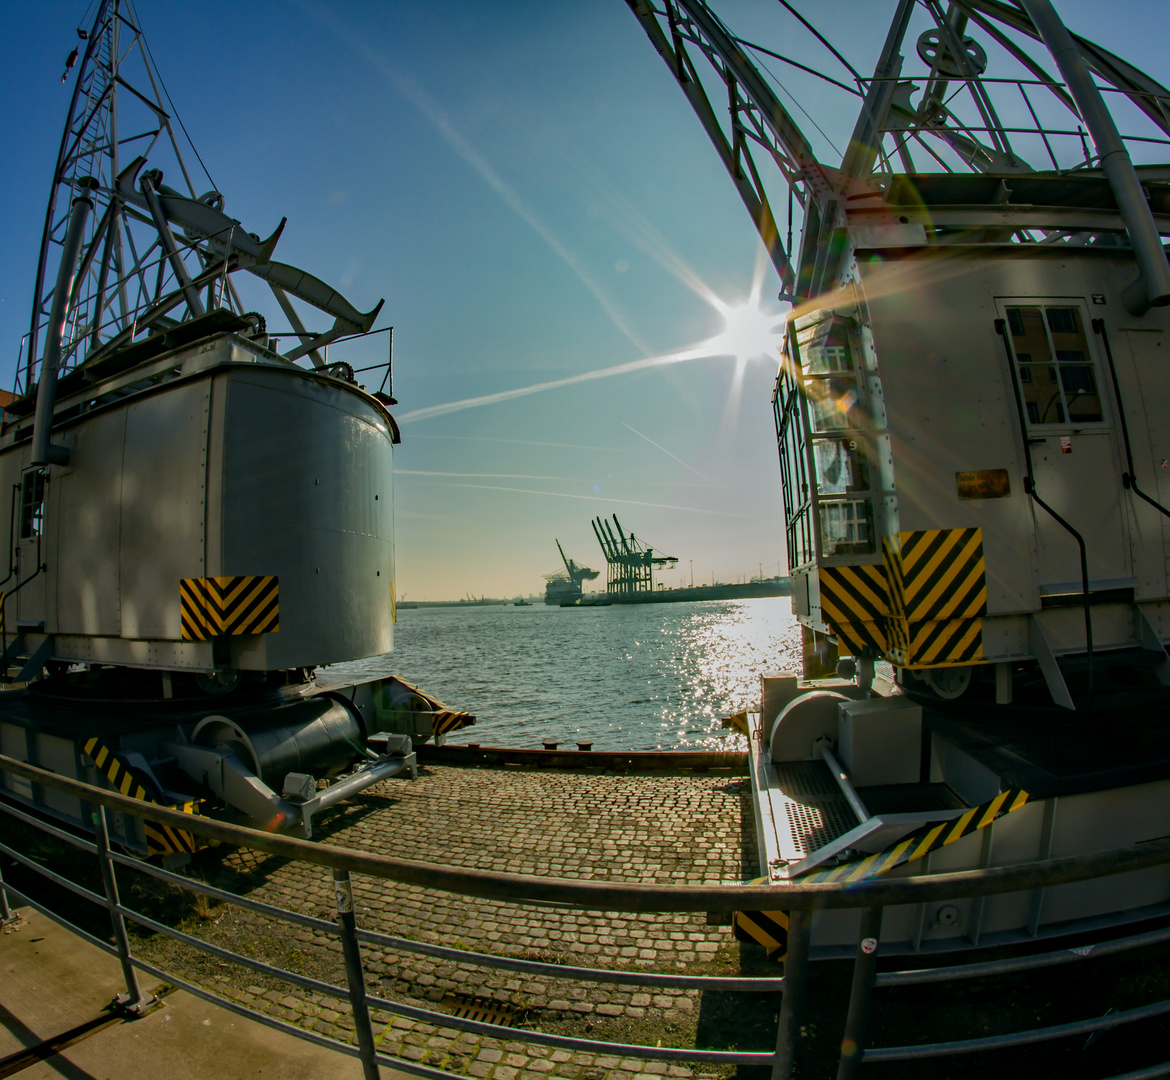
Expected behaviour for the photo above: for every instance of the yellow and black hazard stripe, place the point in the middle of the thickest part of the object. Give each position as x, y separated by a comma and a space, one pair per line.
937, 597
166, 840
766, 928
945, 644
770, 928
855, 603
936, 574
211, 607
122, 777
448, 720
951, 643
160, 839
737, 722
923, 841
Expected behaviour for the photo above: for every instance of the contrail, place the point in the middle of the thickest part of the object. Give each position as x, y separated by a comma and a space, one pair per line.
430, 108
679, 357
607, 203
665, 451
524, 442
525, 476
600, 498
487, 475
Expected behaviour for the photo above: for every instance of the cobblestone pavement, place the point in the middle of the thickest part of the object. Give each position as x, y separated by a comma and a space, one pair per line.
690, 829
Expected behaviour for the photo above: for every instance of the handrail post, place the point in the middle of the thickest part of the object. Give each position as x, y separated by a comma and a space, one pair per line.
792, 1005
134, 1000
347, 928
861, 994
7, 915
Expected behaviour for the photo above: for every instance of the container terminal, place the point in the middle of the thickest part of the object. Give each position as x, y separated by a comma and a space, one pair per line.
631, 565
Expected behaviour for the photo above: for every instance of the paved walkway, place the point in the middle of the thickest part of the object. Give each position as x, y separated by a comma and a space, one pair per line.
690, 828
56, 988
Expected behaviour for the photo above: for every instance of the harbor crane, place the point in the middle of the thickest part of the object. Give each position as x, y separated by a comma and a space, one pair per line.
631, 563
577, 573
974, 463
564, 586
200, 511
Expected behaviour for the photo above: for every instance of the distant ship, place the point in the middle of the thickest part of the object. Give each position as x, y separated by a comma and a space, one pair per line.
564, 586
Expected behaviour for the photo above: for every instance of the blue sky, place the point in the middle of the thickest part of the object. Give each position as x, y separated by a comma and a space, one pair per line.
530, 192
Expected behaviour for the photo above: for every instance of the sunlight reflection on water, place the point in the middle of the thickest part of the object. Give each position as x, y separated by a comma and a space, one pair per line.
627, 677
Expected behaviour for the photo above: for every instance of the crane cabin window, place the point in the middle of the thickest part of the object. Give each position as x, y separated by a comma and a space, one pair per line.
32, 504
794, 476
820, 427
1055, 369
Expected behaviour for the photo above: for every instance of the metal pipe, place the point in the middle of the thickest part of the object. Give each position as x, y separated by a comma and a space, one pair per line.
42, 452
1020, 1038
136, 1000
568, 1042
861, 994
1013, 964
6, 913
167, 238
1030, 490
195, 990
1152, 288
351, 951
388, 378
605, 896
847, 789
358, 781
795, 974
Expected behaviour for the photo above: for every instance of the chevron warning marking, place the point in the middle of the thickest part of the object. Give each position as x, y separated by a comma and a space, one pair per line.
922, 842
938, 574
770, 928
448, 720
160, 839
226, 606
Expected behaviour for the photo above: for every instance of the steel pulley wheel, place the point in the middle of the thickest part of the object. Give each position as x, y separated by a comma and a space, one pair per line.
948, 683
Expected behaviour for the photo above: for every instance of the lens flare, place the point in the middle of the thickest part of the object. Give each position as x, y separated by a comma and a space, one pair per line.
749, 332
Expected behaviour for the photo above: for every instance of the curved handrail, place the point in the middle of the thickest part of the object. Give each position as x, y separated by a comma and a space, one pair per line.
607, 896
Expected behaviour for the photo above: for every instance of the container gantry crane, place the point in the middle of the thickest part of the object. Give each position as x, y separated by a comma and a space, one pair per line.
631, 563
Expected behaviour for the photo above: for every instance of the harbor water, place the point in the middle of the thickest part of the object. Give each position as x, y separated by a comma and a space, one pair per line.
625, 677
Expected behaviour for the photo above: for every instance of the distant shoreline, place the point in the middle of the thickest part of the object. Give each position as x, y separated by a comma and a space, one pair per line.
751, 590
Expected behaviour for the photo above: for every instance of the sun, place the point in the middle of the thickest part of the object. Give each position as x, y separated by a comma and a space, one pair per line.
749, 332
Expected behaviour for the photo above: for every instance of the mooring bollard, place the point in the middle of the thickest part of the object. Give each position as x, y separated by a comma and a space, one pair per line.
351, 951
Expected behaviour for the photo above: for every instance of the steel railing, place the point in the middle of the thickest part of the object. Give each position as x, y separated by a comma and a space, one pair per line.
800, 900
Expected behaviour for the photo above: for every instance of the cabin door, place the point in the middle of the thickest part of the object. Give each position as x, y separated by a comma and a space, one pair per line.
1069, 419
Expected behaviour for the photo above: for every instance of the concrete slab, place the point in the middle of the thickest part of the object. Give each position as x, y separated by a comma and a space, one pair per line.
51, 981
